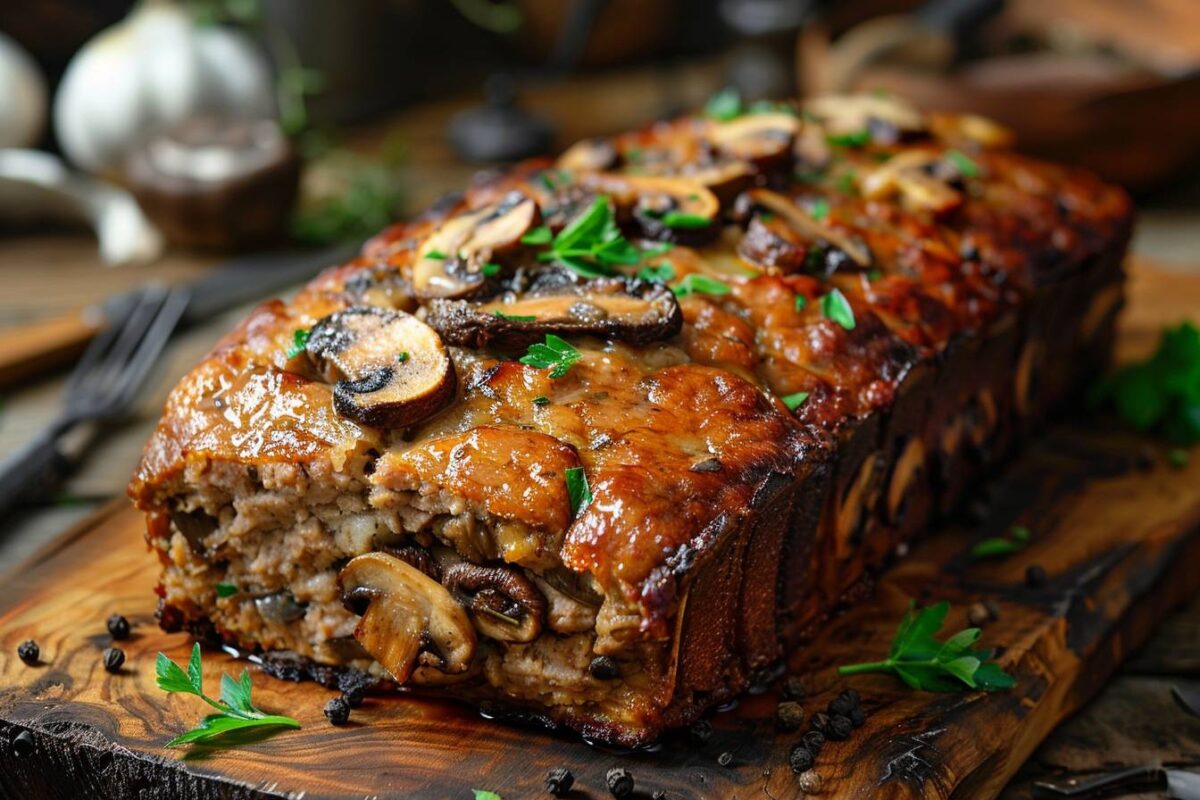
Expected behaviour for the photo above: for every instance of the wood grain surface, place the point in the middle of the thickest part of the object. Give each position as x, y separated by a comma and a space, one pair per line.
1115, 528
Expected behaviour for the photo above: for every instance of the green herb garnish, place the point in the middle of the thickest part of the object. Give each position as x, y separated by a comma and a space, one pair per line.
402, 356
514, 317
801, 302
694, 283
299, 342
819, 209
490, 270
657, 273
539, 235
541, 400
810, 175
680, 220
926, 664
592, 245
1178, 458
578, 490
484, 794
874, 274
794, 401
1162, 393
724, 105
965, 166
1018, 537
836, 307
855, 139
226, 589
436, 255
554, 354
236, 711
845, 182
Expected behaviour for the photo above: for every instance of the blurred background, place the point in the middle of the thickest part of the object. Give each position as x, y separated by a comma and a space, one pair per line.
235, 147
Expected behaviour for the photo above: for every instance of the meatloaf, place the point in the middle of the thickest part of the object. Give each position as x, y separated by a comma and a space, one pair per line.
599, 439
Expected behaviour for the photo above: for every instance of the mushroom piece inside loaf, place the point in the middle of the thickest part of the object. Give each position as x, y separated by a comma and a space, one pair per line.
601, 438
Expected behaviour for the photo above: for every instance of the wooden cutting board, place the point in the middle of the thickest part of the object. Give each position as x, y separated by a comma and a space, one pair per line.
1116, 529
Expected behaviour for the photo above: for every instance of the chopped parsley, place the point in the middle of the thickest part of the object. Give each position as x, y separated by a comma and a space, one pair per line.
402, 356
235, 710
836, 307
1018, 538
578, 491
694, 283
555, 354
498, 314
801, 302
810, 175
926, 664
1162, 393
794, 401
484, 794
680, 220
819, 209
490, 270
541, 400
724, 105
657, 273
846, 182
592, 245
539, 235
436, 255
226, 589
874, 274
299, 342
854, 139
965, 166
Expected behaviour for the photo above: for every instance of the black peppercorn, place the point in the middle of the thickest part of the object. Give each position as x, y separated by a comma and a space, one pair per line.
559, 781
337, 711
354, 695
800, 759
22, 744
619, 781
725, 759
841, 705
29, 652
793, 689
1035, 576
118, 627
604, 668
839, 728
701, 730
789, 715
857, 716
114, 657
814, 741
819, 722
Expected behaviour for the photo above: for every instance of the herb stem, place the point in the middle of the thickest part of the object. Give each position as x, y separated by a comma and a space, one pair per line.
866, 666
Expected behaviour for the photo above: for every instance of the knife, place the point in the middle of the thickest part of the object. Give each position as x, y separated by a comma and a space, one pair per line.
49, 344
1178, 783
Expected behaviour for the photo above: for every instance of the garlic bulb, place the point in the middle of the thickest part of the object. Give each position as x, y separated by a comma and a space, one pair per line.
22, 96
150, 71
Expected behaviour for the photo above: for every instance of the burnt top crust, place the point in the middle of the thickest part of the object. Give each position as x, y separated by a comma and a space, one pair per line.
824, 252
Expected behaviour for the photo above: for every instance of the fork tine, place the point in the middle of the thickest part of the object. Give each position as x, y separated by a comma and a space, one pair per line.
99, 345
133, 329
152, 344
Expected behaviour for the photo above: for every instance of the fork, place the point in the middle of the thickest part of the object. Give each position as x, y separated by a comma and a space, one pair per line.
102, 387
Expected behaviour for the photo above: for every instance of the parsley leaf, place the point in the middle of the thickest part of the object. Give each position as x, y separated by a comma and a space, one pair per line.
846, 182
484, 794
836, 307
819, 209
554, 354
299, 342
924, 663
801, 302
226, 590
680, 220
657, 273
539, 235
694, 283
436, 255
514, 317
592, 244
490, 270
794, 401
541, 400
578, 491
402, 356
993, 546
965, 166
854, 139
724, 105
236, 709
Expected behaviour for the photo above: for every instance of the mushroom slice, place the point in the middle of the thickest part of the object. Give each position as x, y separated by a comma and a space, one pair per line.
405, 612
913, 176
761, 139
725, 179
887, 118
450, 262
807, 226
675, 209
503, 602
589, 155
971, 129
628, 310
388, 369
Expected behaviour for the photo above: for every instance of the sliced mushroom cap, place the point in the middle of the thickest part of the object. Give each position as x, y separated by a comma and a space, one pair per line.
971, 129
450, 262
503, 602
915, 177
628, 310
405, 613
761, 139
388, 369
724, 178
848, 114
589, 155
809, 227
674, 209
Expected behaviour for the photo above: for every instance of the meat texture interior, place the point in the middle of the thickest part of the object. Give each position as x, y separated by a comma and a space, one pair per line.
600, 438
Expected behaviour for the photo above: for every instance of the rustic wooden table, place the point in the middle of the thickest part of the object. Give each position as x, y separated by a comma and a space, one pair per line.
1130, 723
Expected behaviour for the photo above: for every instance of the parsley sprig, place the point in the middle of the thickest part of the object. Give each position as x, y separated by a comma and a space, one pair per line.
591, 244
299, 342
235, 710
555, 354
836, 307
924, 663
578, 491
695, 283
